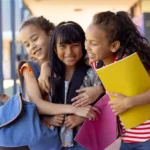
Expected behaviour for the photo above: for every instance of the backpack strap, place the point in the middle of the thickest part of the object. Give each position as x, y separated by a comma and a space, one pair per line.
76, 81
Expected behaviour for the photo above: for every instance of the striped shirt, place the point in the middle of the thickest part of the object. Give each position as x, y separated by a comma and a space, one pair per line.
140, 133
94, 65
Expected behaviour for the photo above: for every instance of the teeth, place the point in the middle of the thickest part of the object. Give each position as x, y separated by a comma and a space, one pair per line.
69, 58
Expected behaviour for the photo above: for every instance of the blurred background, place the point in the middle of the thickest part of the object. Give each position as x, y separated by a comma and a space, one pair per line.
14, 12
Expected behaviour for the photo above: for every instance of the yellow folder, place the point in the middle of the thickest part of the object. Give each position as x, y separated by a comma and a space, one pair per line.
129, 77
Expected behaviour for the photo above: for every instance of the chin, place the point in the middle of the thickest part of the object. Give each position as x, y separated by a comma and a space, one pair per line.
70, 65
92, 60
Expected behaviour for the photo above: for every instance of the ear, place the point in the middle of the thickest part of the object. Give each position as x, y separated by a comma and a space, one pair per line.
115, 46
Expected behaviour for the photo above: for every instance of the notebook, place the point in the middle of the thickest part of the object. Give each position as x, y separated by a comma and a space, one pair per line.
129, 77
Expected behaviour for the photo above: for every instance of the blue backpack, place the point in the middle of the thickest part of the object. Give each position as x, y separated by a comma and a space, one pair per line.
20, 123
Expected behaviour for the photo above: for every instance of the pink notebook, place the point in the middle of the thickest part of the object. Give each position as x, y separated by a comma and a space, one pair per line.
98, 134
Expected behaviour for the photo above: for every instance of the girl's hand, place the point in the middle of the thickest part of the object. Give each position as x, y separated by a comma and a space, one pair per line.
89, 112
56, 120
87, 96
72, 121
43, 80
120, 104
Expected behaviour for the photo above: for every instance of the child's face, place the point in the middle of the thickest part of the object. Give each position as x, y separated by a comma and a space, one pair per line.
97, 45
69, 54
36, 42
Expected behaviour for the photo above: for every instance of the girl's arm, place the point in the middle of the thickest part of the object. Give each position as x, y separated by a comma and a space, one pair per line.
48, 108
91, 92
140, 99
122, 103
88, 95
43, 80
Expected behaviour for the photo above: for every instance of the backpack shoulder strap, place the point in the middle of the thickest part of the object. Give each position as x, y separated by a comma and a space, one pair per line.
76, 81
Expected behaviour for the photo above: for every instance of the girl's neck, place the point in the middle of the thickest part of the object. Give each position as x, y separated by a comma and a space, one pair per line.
40, 62
69, 70
109, 60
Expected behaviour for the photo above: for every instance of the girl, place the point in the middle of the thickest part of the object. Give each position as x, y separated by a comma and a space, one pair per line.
110, 37
68, 73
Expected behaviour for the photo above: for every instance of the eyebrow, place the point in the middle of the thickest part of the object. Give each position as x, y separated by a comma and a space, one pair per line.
94, 41
91, 40
61, 43
33, 35
30, 37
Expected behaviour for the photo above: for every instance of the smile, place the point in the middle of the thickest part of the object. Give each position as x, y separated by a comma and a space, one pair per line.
91, 56
70, 58
37, 51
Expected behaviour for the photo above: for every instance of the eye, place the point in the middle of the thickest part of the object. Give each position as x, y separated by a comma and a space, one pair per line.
94, 44
27, 45
62, 46
35, 39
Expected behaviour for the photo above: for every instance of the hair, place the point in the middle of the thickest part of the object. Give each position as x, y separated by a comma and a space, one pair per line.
67, 32
39, 22
119, 26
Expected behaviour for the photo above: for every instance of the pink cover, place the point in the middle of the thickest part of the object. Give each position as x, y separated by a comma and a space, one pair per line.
98, 134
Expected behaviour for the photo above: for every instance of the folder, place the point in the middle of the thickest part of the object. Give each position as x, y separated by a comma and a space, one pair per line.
129, 77
100, 133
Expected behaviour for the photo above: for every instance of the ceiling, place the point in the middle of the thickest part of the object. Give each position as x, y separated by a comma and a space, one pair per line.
80, 11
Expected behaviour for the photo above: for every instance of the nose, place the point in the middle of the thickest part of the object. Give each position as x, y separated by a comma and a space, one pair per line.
32, 48
87, 46
69, 50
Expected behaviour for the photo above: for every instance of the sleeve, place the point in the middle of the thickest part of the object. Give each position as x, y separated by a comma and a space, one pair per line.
26, 66
91, 78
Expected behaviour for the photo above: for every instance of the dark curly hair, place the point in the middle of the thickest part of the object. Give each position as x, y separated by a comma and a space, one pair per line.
40, 22
119, 26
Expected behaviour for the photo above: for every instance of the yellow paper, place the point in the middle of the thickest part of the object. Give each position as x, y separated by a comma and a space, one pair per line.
129, 77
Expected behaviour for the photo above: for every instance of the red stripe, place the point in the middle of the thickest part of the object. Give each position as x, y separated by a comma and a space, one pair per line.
140, 128
146, 123
130, 141
148, 137
93, 65
133, 137
138, 133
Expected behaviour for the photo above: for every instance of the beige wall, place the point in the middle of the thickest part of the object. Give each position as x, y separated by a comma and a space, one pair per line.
145, 5
64, 10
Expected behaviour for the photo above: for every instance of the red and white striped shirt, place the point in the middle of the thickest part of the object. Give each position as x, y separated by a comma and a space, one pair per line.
140, 133
94, 65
